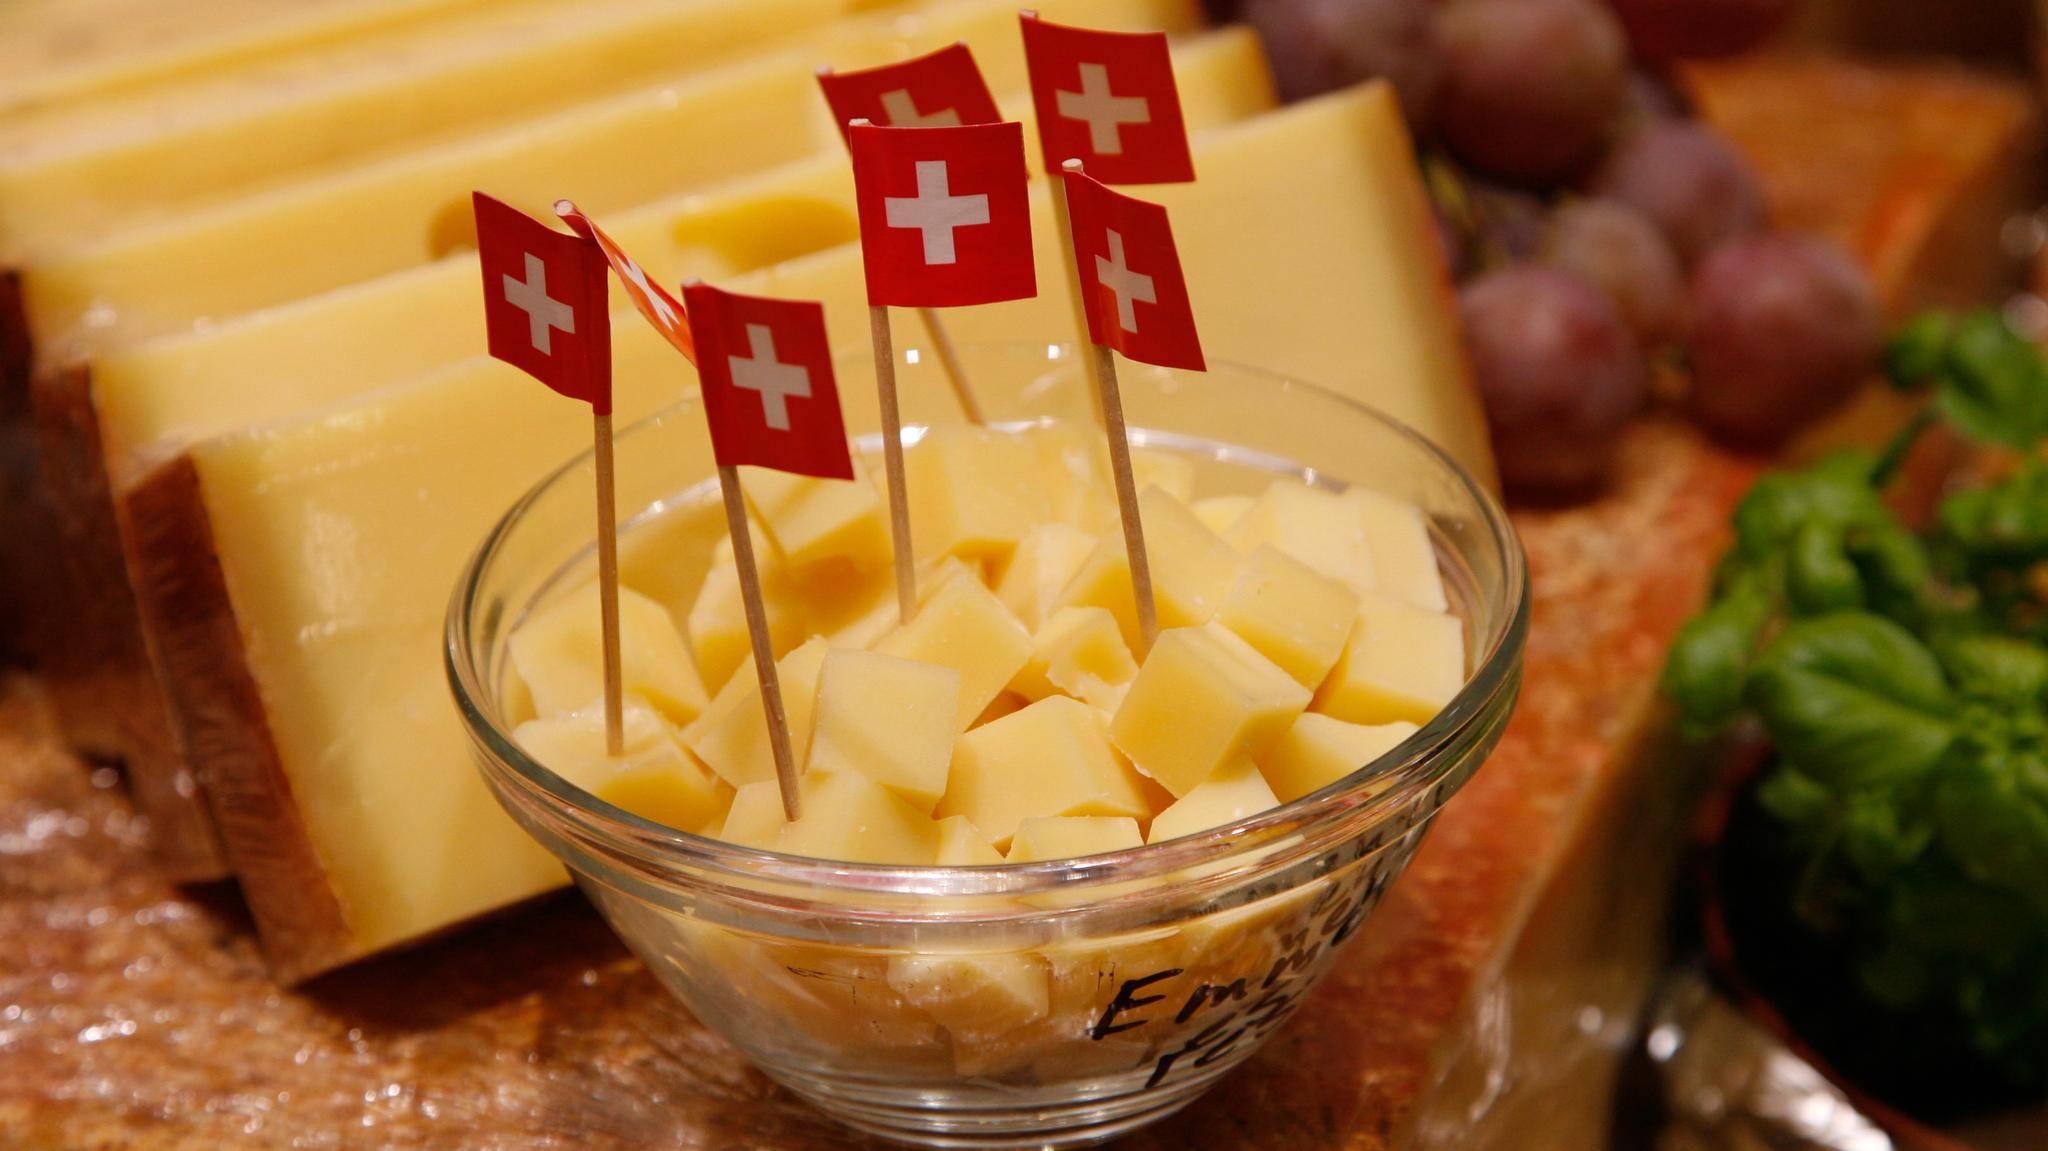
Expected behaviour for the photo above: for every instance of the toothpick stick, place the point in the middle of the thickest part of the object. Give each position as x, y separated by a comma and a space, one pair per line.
949, 358
1065, 221
892, 461
608, 586
1126, 493
757, 630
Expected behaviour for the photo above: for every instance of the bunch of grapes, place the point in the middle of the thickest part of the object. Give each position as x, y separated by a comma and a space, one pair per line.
1597, 232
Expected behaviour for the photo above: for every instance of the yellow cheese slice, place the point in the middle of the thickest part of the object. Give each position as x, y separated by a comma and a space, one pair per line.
313, 235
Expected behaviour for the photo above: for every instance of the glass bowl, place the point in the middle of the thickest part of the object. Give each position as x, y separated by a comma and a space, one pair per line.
1039, 1004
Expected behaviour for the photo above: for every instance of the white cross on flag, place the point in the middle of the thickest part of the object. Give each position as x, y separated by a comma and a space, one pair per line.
544, 302
1108, 100
649, 298
1135, 296
766, 370
942, 89
945, 219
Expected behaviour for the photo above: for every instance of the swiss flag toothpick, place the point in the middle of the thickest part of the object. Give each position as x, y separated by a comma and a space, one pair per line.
944, 215
659, 308
1107, 99
1130, 282
942, 89
766, 370
544, 302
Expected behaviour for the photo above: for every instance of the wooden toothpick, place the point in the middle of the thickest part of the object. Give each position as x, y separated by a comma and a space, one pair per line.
757, 631
608, 586
1065, 220
892, 461
949, 359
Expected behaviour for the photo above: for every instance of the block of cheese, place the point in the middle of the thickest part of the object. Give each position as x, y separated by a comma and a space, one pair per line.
1192, 569
1402, 663
1318, 751
961, 844
77, 169
890, 719
1294, 615
1051, 758
1203, 700
1236, 792
559, 654
963, 626
1079, 652
1047, 837
653, 777
731, 737
1042, 565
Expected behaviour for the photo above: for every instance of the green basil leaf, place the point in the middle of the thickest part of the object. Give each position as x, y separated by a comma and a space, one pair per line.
1994, 389
1819, 577
1993, 828
1709, 661
1853, 699
1918, 353
1996, 667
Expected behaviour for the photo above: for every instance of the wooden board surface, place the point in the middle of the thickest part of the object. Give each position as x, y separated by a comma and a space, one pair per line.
134, 1013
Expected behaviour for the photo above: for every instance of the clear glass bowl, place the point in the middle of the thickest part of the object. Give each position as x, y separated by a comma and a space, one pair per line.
1040, 1004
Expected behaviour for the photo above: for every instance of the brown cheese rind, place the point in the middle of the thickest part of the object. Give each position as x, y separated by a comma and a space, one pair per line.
218, 712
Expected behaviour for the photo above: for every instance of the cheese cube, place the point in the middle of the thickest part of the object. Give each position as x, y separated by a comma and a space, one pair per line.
963, 626
890, 719
856, 609
973, 492
718, 618
1403, 558
731, 737
974, 995
1074, 472
1008, 703
844, 816
1229, 795
812, 519
1048, 837
1401, 663
1321, 529
1051, 758
1170, 472
1192, 569
1295, 616
559, 652
1220, 514
1087, 972
961, 844
1045, 560
652, 777
1318, 751
1080, 652
1204, 699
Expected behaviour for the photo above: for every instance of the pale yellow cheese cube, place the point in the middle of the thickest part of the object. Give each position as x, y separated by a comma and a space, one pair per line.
1220, 514
1008, 703
1402, 662
856, 609
1296, 616
890, 719
1052, 758
1203, 699
559, 652
1320, 750
652, 776
1170, 472
1192, 569
813, 519
1045, 560
1079, 652
965, 627
1074, 473
1236, 792
961, 844
1087, 972
972, 492
1321, 529
1045, 837
731, 737
974, 995
718, 618
1403, 558
755, 815
842, 815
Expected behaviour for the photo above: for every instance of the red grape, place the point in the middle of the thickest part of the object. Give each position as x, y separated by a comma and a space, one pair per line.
1664, 30
1784, 327
1688, 181
1531, 88
1321, 45
1511, 222
1615, 249
1559, 374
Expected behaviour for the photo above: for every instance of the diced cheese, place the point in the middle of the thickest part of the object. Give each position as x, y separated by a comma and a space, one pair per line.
731, 737
667, 556
973, 492
890, 719
1170, 472
1073, 470
813, 519
1008, 703
559, 654
1079, 652
1047, 837
1051, 758
1294, 616
653, 777
1401, 663
718, 621
755, 817
1319, 528
1044, 562
1221, 513
1318, 751
1236, 792
1203, 700
961, 844
1403, 558
963, 626
974, 995
843, 815
1192, 570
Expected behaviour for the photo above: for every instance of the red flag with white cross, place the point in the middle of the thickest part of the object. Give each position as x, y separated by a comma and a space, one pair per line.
1131, 284
941, 89
649, 298
945, 219
544, 302
765, 366
1108, 100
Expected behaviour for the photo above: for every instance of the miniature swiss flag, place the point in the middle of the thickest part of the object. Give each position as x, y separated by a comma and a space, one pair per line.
544, 302
765, 366
940, 90
660, 308
1135, 296
944, 216
1108, 100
